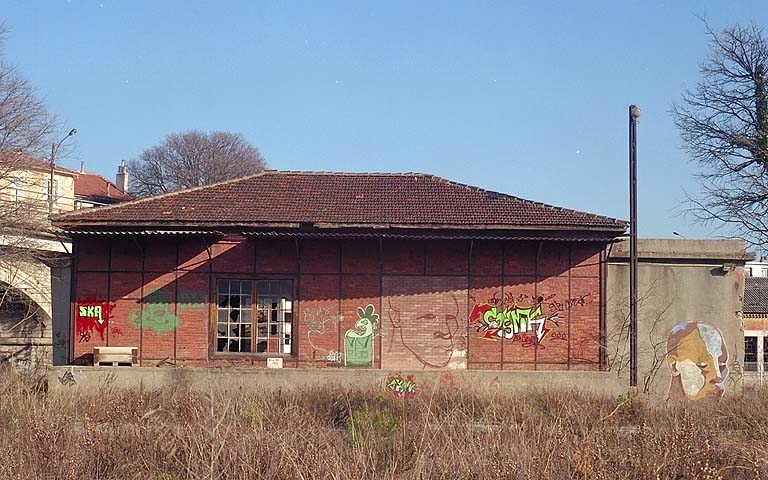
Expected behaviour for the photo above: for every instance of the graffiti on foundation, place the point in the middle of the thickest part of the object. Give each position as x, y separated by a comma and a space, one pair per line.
90, 316
157, 310
358, 342
698, 360
496, 323
400, 386
68, 379
116, 331
440, 343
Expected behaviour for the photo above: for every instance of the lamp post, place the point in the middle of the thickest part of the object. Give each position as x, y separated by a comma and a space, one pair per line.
54, 149
634, 114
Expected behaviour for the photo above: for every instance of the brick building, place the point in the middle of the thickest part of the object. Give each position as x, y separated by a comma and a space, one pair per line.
392, 271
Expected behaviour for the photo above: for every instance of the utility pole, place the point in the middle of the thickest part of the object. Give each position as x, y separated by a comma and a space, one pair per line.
634, 114
54, 149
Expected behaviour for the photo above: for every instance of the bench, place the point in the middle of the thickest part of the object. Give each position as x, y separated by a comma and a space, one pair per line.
115, 356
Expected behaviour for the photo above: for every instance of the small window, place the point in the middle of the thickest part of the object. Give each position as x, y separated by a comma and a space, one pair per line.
272, 308
750, 354
749, 271
16, 191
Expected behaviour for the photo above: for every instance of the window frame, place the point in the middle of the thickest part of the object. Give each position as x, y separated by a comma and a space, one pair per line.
253, 279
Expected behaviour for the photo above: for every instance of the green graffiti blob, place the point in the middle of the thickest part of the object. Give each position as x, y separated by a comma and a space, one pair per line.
358, 342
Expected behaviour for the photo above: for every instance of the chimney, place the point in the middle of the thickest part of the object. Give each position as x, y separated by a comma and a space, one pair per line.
122, 177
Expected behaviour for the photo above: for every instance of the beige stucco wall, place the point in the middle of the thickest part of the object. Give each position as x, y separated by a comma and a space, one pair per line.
679, 281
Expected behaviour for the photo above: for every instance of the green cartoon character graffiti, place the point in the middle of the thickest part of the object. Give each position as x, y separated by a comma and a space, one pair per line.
358, 342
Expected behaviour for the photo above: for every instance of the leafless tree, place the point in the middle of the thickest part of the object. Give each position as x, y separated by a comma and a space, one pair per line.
191, 159
724, 128
25, 124
26, 132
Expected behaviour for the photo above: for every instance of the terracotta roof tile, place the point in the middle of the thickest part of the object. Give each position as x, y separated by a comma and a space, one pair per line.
341, 199
92, 185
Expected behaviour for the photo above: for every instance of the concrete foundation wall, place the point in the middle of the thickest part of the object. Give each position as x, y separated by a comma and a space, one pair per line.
71, 378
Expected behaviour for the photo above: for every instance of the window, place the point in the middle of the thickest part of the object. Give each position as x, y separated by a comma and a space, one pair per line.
56, 192
750, 354
749, 271
16, 191
272, 310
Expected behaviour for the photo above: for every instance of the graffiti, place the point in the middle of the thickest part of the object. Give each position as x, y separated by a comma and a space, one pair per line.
192, 300
400, 386
334, 356
116, 331
698, 360
157, 313
59, 340
90, 316
436, 348
67, 379
510, 321
559, 336
580, 301
358, 342
317, 319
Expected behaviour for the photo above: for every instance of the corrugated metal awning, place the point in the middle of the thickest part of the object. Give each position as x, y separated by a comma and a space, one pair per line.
479, 235
143, 232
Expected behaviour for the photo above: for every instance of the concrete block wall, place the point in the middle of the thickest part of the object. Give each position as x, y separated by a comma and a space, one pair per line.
422, 291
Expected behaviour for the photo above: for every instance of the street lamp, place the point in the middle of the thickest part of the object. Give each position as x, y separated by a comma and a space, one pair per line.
54, 149
634, 114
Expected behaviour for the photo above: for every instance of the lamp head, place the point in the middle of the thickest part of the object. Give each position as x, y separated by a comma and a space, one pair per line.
72, 132
634, 110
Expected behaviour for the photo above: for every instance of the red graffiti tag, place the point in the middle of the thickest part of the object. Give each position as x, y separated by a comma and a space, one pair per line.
90, 316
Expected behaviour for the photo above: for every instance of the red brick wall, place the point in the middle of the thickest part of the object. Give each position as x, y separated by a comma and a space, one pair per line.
420, 294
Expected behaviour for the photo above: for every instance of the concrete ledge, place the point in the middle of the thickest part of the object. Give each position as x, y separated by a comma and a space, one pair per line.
67, 378
683, 249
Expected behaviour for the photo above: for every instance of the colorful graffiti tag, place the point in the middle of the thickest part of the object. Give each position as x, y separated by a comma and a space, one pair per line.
698, 360
157, 313
400, 386
90, 316
358, 342
510, 321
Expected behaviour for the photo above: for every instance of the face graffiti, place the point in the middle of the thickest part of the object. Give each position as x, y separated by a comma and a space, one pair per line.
698, 360
90, 316
506, 323
358, 342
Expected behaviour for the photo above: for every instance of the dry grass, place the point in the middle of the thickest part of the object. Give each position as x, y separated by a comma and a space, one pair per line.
335, 433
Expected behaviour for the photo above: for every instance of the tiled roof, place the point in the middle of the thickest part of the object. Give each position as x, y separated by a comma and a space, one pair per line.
363, 200
92, 185
755, 295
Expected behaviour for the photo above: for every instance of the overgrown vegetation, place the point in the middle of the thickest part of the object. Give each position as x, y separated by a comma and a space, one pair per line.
338, 433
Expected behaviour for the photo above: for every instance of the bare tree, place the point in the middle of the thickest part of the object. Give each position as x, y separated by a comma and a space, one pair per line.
724, 127
191, 159
26, 132
25, 124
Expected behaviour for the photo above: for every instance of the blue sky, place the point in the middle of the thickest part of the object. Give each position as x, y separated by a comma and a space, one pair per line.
527, 98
